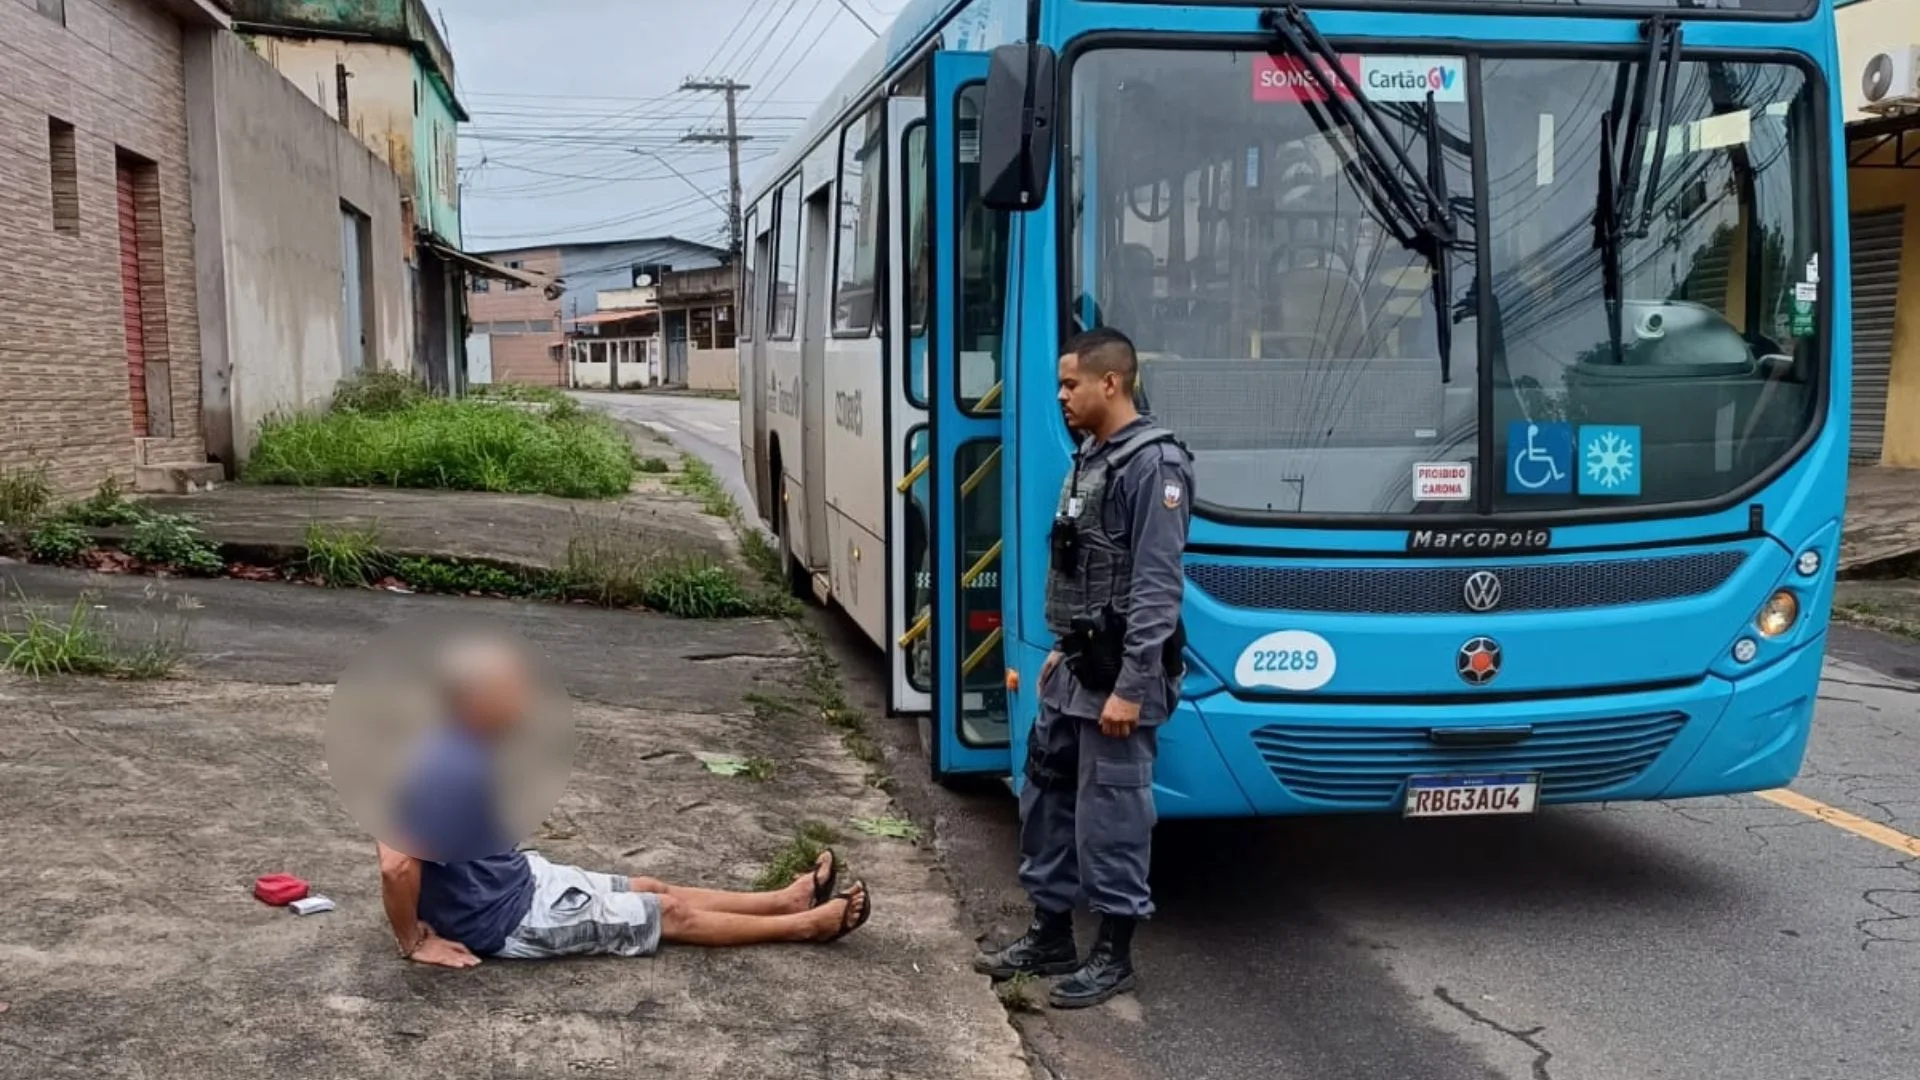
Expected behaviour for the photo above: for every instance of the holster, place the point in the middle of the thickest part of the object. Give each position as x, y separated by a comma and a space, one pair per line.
1050, 771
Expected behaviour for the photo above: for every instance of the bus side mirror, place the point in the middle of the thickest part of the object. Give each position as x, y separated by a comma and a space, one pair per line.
1016, 128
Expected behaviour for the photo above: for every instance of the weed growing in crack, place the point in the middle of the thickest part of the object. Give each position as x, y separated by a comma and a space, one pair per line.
108, 506
797, 857
36, 640
58, 540
343, 556
698, 479
652, 465
25, 494
174, 540
1019, 994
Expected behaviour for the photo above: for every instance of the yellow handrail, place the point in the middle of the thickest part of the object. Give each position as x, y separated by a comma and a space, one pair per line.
925, 621
980, 474
979, 655
913, 474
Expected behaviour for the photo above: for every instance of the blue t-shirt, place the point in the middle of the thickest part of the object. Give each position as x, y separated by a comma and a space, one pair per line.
474, 887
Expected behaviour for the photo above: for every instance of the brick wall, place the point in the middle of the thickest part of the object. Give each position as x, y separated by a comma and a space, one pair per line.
114, 73
522, 357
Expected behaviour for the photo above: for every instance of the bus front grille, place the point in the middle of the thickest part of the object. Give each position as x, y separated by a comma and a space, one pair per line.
1367, 768
1438, 590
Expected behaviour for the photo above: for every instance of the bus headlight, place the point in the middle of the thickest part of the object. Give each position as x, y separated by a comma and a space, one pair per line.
1779, 614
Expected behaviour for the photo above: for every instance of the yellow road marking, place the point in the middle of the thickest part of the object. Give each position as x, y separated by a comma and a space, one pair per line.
1840, 819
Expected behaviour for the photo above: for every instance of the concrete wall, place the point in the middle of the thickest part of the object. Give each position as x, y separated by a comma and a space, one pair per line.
713, 369
379, 90
272, 175
115, 72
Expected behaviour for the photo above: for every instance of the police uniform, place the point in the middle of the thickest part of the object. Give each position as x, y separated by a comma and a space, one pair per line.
1113, 606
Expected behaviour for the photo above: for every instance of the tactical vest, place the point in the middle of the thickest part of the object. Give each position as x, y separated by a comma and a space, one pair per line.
1104, 574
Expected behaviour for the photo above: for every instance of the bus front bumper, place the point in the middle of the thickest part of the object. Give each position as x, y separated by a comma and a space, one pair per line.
1224, 756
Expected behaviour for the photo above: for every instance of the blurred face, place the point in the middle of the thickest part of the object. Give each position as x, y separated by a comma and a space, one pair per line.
1086, 396
497, 700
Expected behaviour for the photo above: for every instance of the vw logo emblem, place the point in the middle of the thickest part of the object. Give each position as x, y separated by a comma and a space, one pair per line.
1482, 592
1478, 661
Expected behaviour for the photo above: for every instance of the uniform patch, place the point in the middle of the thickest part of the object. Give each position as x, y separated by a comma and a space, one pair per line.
1170, 496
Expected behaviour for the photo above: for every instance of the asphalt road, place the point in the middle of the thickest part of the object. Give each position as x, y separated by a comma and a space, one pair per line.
1727, 938
709, 427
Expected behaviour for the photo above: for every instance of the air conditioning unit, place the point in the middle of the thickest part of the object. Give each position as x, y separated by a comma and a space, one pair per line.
1891, 81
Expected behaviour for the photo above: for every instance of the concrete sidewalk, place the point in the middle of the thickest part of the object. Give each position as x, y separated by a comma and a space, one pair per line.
524, 530
138, 814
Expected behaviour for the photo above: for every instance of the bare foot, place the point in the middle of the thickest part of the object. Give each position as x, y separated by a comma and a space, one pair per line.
799, 895
841, 915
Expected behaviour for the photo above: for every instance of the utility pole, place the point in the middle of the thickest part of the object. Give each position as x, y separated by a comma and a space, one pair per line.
732, 138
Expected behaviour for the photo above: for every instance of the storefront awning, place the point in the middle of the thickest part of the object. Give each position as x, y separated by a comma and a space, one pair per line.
484, 267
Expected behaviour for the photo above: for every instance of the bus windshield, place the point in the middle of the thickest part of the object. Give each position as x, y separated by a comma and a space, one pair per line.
1292, 333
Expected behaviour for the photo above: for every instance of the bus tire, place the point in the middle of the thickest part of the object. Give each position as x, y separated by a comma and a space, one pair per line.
799, 581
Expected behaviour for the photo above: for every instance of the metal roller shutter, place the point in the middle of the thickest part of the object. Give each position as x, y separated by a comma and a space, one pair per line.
133, 313
1876, 284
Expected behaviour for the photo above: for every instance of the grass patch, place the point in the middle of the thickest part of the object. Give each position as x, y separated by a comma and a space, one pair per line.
797, 857
652, 465
107, 507
379, 393
58, 540
474, 445
25, 494
1019, 994
454, 578
38, 641
698, 479
174, 540
757, 769
344, 556
890, 828
697, 591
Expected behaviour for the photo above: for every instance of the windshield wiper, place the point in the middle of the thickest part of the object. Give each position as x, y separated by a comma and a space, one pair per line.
1418, 210
1437, 256
1615, 217
1297, 37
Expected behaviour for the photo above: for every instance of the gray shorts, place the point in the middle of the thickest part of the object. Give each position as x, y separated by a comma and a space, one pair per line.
579, 912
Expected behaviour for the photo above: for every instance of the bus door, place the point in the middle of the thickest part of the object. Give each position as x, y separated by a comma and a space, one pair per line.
909, 430
969, 723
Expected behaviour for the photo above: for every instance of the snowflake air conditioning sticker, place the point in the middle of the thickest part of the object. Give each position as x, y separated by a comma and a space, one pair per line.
1609, 459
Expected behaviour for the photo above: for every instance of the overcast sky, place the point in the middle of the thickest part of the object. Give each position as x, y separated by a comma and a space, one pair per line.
578, 115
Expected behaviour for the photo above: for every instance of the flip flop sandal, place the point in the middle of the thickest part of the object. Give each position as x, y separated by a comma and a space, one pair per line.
823, 888
866, 911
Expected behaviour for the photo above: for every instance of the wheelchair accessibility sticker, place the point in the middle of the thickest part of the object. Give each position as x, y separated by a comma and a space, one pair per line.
1539, 458
1609, 459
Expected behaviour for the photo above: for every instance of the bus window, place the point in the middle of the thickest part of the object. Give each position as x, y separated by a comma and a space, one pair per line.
786, 262
856, 279
919, 261
1705, 377
982, 250
748, 258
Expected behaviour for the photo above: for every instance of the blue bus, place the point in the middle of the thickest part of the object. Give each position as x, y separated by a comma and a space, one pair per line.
1510, 338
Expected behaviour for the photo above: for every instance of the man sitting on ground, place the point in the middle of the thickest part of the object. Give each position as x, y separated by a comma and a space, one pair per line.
468, 893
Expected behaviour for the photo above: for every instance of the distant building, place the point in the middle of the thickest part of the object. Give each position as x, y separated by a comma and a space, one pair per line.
521, 334
382, 68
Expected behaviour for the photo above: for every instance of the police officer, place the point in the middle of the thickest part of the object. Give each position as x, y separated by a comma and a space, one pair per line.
1113, 605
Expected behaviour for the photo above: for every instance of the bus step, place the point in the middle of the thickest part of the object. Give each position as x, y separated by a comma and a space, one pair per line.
822, 586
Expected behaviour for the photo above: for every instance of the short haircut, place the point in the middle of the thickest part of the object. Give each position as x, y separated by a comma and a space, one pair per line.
1104, 351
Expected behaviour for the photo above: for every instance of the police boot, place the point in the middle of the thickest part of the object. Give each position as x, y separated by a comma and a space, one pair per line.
1108, 970
1045, 949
